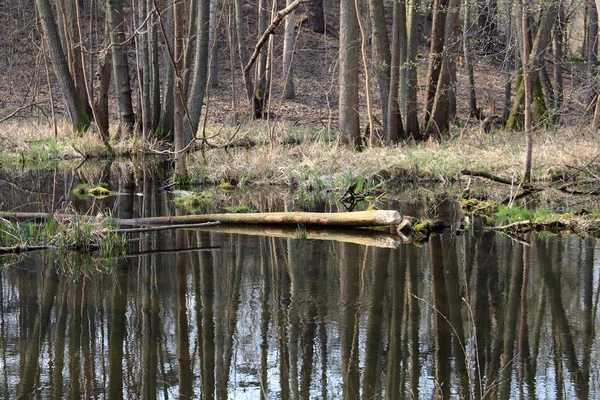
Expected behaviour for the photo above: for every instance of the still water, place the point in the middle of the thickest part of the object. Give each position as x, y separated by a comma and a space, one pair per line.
201, 314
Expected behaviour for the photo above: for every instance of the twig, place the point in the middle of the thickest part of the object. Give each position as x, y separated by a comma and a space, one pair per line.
514, 225
17, 111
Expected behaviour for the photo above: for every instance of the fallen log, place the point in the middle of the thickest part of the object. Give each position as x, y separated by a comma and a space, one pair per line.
350, 219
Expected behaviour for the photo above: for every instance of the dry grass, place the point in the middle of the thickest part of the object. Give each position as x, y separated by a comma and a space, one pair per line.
316, 164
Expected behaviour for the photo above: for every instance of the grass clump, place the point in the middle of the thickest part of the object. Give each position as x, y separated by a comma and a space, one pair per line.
509, 215
239, 209
193, 200
225, 187
78, 233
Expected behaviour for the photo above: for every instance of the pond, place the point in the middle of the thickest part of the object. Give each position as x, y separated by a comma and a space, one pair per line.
192, 313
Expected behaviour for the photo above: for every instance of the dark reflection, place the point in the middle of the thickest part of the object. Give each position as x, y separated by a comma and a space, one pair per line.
240, 316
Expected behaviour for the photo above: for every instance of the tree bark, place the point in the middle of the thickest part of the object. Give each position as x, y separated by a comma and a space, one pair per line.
383, 58
260, 95
200, 79
467, 36
179, 90
527, 89
348, 75
288, 54
316, 16
440, 10
592, 51
394, 129
412, 121
241, 41
79, 117
438, 125
116, 25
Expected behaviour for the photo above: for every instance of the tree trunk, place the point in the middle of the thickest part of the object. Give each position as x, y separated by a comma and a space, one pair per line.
241, 40
382, 59
116, 23
316, 16
143, 57
592, 51
213, 46
103, 75
487, 25
536, 59
438, 125
288, 54
168, 117
200, 79
557, 50
79, 117
508, 61
179, 91
348, 86
473, 112
260, 94
393, 123
155, 69
527, 90
412, 121
440, 9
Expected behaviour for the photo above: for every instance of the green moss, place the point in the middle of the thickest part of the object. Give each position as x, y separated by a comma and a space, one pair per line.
239, 209
225, 187
99, 192
193, 201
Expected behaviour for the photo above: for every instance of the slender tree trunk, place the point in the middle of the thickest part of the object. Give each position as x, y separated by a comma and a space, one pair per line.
213, 46
103, 75
440, 10
527, 89
168, 117
508, 61
74, 53
200, 79
260, 95
438, 125
412, 121
79, 117
243, 53
394, 128
349, 56
142, 45
592, 51
473, 112
116, 24
288, 54
316, 16
383, 58
154, 69
557, 49
179, 91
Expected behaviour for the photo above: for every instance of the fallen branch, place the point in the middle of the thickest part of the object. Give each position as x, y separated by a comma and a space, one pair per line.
494, 178
513, 226
161, 228
12, 114
279, 16
24, 249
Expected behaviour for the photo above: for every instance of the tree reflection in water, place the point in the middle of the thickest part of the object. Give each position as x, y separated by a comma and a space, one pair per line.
473, 316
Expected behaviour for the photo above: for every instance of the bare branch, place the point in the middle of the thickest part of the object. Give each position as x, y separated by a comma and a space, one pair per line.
281, 14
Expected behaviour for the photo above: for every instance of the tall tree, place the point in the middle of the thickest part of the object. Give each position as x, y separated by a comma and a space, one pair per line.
200, 68
592, 50
411, 111
348, 75
316, 16
79, 117
179, 104
394, 129
383, 58
438, 25
116, 25
437, 126
527, 89
288, 54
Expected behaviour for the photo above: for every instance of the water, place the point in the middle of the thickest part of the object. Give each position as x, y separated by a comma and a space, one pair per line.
201, 314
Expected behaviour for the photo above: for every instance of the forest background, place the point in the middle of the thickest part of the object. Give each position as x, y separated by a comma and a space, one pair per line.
211, 75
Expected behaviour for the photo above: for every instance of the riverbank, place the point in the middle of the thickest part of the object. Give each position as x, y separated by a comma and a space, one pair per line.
303, 157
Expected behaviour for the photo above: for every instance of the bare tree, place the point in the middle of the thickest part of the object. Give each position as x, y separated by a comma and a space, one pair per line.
116, 25
288, 54
348, 75
79, 117
179, 104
